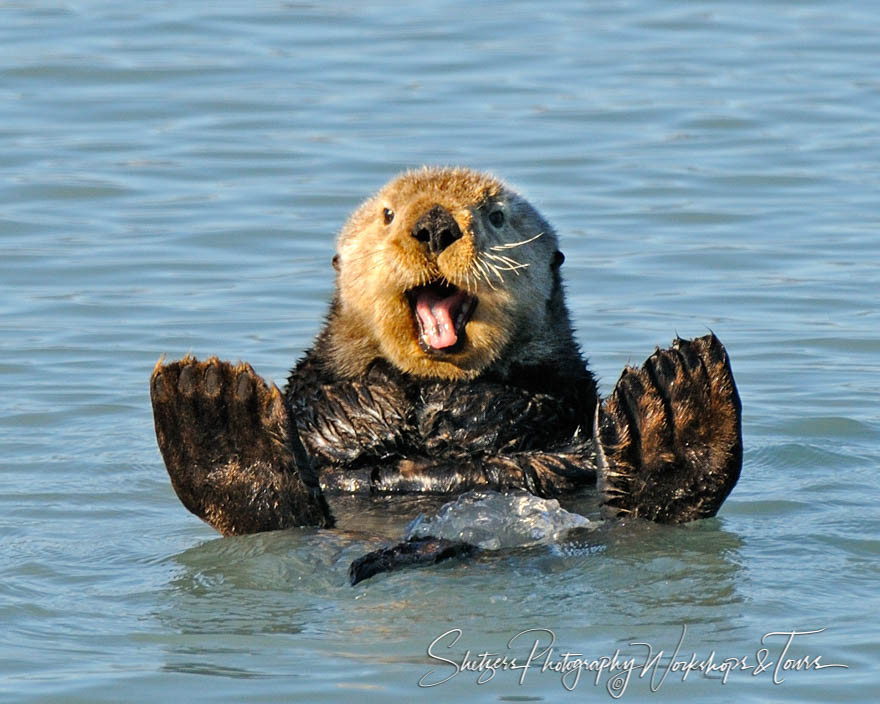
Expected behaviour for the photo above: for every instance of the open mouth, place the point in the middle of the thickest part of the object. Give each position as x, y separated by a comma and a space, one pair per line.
442, 310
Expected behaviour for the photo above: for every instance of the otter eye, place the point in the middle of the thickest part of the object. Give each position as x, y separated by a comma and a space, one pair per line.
496, 217
388, 214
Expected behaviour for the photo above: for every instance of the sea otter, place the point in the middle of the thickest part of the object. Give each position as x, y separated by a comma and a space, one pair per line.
447, 362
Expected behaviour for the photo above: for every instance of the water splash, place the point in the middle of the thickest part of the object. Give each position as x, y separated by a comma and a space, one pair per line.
493, 520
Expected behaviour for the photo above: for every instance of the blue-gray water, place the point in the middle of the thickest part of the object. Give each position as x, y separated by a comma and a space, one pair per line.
171, 178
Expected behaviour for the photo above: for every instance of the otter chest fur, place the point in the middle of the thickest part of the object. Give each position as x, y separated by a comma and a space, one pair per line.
389, 432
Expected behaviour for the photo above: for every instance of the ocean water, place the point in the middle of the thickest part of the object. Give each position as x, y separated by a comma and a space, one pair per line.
171, 179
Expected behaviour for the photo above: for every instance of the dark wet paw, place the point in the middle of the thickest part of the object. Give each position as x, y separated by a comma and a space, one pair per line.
412, 553
233, 456
670, 435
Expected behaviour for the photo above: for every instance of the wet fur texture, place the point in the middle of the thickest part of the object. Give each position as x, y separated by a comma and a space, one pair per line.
233, 456
511, 405
670, 435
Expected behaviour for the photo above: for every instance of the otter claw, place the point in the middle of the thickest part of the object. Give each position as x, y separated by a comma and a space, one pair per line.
670, 435
233, 456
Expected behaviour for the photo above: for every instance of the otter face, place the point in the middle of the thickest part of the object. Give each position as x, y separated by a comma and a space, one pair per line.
441, 272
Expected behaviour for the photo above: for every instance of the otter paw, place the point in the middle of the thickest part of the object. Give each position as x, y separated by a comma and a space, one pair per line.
231, 450
413, 553
670, 435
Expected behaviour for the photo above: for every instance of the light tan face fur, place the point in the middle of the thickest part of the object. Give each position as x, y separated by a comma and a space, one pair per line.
507, 268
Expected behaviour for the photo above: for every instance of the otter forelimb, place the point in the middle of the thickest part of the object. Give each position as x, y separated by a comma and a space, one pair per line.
234, 458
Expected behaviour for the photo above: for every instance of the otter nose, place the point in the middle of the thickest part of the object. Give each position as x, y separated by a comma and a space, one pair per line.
437, 229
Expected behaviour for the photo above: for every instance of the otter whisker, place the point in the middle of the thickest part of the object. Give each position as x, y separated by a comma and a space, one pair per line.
510, 264
478, 275
512, 245
514, 269
495, 270
484, 267
462, 279
501, 258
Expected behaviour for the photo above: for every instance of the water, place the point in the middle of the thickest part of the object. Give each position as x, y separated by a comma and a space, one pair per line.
171, 178
493, 520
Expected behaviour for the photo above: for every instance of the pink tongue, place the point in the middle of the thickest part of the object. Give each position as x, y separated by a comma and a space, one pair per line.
435, 314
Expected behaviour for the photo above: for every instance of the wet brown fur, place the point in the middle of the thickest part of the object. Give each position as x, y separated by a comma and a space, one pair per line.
673, 431
368, 410
255, 479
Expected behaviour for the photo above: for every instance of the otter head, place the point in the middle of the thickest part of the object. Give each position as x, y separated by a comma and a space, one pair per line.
446, 273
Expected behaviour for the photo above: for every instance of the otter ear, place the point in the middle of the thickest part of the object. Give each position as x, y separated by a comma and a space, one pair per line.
335, 262
558, 258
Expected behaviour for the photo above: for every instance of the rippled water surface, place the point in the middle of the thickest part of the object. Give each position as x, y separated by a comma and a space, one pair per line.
171, 179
